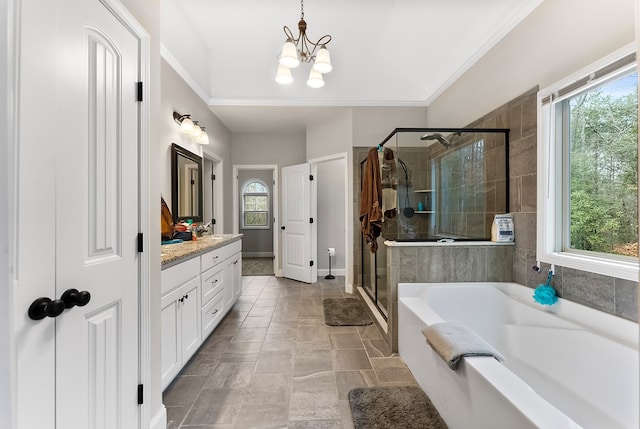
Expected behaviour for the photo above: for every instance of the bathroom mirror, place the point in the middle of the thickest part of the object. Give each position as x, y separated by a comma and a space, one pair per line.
186, 184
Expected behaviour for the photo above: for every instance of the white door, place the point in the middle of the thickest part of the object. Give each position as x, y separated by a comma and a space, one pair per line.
92, 120
296, 225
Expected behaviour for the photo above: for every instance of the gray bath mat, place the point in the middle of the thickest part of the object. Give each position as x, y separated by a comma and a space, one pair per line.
257, 266
345, 312
393, 407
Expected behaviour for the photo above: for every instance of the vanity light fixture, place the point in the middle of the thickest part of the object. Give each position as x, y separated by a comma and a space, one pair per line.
204, 137
191, 127
300, 49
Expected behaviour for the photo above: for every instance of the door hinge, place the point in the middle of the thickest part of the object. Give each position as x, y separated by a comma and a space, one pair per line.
213, 177
311, 263
310, 220
310, 176
140, 242
140, 91
213, 221
140, 394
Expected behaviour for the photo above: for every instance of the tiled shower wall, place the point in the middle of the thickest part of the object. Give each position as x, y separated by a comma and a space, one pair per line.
608, 294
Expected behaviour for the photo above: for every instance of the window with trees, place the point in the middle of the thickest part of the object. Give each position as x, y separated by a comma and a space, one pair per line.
255, 205
588, 201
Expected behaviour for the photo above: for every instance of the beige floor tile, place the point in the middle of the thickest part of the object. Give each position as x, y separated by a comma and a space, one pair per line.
348, 360
274, 363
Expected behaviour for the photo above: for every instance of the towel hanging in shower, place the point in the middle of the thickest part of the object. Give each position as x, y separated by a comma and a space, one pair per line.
371, 201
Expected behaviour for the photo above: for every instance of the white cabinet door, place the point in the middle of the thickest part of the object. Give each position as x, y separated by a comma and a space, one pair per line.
190, 316
180, 316
171, 328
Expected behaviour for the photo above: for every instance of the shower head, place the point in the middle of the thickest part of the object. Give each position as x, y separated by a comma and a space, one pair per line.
437, 136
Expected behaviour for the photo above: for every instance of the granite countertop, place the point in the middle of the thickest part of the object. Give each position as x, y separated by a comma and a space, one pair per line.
173, 254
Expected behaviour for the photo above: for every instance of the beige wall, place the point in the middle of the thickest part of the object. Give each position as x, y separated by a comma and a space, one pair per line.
331, 135
371, 125
555, 40
178, 96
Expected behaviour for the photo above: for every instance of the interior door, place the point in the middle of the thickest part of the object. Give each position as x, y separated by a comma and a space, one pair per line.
296, 225
97, 222
78, 370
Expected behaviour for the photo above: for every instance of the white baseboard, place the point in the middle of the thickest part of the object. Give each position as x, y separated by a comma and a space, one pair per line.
257, 254
348, 288
160, 419
334, 271
278, 273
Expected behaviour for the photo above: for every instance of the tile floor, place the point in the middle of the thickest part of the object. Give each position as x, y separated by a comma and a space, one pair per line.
273, 363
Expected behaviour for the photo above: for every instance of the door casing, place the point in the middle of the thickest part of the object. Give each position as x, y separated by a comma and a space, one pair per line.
275, 206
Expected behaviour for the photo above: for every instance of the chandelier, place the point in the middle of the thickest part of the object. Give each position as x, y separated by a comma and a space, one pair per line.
301, 49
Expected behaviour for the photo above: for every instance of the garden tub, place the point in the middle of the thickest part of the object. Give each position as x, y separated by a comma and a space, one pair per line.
565, 366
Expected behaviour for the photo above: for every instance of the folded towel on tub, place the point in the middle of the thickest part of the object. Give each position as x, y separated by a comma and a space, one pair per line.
452, 342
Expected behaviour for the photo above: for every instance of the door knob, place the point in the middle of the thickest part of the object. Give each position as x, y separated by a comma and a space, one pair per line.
44, 307
72, 297
282, 227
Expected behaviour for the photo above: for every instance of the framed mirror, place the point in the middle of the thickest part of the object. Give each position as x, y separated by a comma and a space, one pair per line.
186, 184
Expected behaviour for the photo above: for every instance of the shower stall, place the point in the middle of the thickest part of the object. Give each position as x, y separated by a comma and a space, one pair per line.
446, 184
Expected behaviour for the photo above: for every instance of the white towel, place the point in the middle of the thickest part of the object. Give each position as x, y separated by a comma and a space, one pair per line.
452, 342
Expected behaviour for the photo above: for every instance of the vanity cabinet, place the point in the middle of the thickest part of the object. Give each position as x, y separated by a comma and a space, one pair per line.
180, 307
196, 294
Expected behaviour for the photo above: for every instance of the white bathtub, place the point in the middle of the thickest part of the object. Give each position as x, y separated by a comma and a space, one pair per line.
566, 366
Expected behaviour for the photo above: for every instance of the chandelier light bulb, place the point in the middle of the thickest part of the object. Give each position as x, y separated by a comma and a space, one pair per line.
283, 76
289, 57
186, 126
315, 79
323, 61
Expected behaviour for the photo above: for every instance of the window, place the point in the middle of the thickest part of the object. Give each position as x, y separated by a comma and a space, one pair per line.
255, 205
588, 171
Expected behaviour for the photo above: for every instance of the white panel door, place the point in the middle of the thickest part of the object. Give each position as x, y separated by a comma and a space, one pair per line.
97, 219
296, 228
78, 186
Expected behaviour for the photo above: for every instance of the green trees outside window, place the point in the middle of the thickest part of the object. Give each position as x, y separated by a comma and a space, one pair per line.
602, 146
